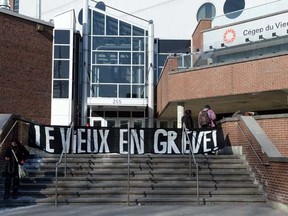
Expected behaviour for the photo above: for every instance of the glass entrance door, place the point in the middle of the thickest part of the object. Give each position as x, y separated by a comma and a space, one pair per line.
98, 122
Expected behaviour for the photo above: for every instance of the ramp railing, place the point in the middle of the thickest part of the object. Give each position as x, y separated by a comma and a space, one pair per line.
186, 138
64, 152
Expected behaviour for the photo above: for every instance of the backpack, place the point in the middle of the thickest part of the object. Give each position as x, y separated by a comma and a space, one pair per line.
203, 118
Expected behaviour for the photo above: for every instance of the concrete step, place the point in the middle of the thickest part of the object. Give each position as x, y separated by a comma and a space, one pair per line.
133, 160
107, 177
139, 191
139, 166
142, 172
141, 184
154, 179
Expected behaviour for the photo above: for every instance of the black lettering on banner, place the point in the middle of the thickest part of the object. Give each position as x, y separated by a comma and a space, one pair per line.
55, 139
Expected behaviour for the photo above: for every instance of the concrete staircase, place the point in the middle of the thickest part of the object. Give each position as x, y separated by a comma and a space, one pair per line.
154, 179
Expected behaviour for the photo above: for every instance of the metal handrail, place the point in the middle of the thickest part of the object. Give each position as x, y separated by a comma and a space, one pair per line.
64, 152
8, 133
259, 158
191, 152
128, 168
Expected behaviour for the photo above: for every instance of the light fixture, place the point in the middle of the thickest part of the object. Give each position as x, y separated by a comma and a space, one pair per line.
39, 27
210, 47
223, 45
274, 34
247, 40
261, 37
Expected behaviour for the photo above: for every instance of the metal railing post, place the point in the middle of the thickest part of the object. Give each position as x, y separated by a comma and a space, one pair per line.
56, 187
64, 151
8, 133
191, 152
128, 168
250, 144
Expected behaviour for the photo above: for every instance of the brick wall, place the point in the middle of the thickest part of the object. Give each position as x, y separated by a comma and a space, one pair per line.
277, 131
272, 178
26, 61
162, 86
258, 75
197, 37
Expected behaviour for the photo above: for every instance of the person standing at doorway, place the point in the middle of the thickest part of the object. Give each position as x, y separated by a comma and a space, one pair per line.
187, 120
206, 117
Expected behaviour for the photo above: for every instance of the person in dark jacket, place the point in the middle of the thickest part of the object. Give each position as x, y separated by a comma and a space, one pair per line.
15, 154
187, 120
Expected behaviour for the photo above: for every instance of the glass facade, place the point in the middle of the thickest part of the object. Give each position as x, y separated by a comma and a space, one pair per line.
118, 63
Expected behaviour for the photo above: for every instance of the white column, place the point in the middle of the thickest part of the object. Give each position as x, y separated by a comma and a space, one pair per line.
85, 63
4, 4
150, 74
38, 10
180, 113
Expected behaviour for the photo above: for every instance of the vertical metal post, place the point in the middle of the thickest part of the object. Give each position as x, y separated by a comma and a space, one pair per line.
56, 188
197, 180
128, 168
65, 149
39, 9
150, 74
85, 63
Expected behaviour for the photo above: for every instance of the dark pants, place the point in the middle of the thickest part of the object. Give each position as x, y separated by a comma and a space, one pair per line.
14, 180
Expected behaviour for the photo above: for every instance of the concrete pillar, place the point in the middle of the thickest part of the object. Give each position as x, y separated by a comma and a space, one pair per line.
180, 113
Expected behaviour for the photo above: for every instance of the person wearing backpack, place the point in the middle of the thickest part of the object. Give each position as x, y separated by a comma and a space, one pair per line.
206, 117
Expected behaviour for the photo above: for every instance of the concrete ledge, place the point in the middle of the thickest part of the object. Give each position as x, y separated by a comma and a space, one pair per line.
4, 119
266, 144
257, 117
277, 205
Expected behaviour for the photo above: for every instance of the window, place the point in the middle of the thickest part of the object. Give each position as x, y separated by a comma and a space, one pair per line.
206, 10
16, 6
60, 88
62, 37
107, 91
111, 26
118, 63
233, 8
61, 52
99, 23
61, 69
125, 28
138, 31
61, 63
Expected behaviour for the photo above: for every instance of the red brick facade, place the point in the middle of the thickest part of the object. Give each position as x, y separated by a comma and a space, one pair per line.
25, 65
197, 38
258, 75
272, 177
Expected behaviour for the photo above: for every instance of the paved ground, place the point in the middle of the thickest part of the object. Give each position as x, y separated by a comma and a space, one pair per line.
151, 210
